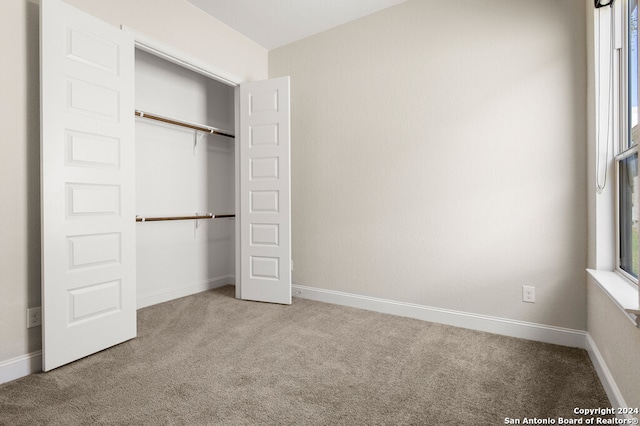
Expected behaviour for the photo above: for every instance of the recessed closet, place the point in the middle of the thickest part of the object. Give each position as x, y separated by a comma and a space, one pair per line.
182, 172
108, 169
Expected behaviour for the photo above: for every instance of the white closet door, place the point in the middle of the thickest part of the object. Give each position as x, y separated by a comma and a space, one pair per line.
88, 198
264, 192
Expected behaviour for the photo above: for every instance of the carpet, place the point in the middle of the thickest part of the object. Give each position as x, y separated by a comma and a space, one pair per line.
210, 359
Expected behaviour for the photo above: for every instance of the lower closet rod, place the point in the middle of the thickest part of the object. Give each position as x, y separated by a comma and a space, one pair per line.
161, 218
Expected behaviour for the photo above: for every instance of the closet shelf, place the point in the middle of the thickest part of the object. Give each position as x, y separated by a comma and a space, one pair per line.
193, 217
194, 126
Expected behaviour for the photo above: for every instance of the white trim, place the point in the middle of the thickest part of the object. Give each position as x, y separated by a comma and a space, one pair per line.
237, 164
607, 380
20, 366
164, 51
621, 291
185, 290
506, 327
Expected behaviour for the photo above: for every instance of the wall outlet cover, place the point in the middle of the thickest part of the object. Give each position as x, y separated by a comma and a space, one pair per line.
34, 317
528, 294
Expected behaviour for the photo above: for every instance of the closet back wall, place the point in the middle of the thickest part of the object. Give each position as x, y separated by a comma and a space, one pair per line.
181, 172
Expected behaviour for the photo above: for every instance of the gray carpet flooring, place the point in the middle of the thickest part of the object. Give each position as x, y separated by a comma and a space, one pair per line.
209, 359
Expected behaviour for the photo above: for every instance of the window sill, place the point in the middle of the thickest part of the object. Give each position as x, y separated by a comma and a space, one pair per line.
623, 293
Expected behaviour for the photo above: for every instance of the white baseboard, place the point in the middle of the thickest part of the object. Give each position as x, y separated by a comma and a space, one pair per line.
506, 327
25, 365
21, 366
609, 384
146, 300
525, 330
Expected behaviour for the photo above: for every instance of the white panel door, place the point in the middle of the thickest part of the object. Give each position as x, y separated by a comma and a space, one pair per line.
87, 171
264, 192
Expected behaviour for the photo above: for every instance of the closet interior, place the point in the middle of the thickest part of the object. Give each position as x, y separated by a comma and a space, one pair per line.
185, 188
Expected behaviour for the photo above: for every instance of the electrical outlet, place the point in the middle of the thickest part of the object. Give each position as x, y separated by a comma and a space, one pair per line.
34, 317
528, 294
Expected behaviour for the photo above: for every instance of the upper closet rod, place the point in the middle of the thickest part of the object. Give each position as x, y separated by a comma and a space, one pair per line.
162, 218
199, 127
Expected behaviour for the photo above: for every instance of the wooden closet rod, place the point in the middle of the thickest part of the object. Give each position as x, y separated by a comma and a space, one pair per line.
162, 218
199, 127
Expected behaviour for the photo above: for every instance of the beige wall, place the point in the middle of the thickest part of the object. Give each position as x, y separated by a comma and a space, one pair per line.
439, 158
19, 178
172, 22
618, 341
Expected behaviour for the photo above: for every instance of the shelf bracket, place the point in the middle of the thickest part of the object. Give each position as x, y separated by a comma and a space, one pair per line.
197, 136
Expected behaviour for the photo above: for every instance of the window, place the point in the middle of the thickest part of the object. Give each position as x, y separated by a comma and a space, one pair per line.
628, 214
632, 72
615, 266
627, 158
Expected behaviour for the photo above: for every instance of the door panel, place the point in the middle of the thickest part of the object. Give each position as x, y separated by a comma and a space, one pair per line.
87, 171
264, 192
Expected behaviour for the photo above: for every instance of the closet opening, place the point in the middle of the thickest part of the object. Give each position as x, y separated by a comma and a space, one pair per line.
103, 168
185, 180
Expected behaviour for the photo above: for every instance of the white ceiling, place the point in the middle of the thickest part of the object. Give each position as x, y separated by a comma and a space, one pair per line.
274, 23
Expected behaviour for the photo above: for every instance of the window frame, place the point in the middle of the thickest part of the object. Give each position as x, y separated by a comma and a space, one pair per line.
618, 159
622, 116
609, 71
